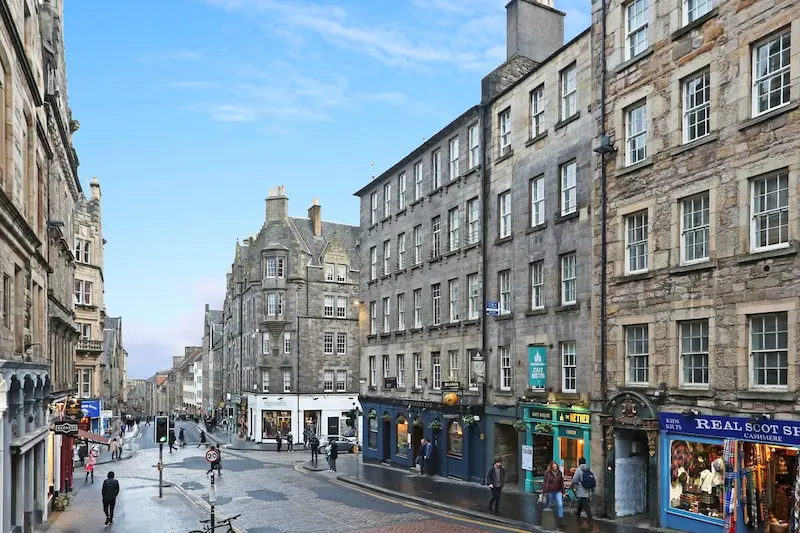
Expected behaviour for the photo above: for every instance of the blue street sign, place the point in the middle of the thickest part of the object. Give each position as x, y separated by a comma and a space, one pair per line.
91, 408
493, 308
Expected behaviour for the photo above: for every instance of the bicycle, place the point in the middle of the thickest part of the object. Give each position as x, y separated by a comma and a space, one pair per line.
218, 527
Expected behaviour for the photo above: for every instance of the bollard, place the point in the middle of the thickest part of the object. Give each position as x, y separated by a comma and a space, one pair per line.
548, 519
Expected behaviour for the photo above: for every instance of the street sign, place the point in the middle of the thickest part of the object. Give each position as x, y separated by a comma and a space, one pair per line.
389, 383
452, 386
106, 413
66, 428
212, 456
492, 308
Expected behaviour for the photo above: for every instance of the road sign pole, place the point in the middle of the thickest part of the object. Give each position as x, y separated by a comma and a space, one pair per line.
212, 498
160, 470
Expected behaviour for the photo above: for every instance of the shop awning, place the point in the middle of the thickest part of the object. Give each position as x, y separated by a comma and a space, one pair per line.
92, 437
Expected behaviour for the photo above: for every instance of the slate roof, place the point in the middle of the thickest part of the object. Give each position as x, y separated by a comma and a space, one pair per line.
348, 235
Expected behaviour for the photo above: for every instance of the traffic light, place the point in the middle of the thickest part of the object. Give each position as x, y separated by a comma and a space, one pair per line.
162, 429
351, 418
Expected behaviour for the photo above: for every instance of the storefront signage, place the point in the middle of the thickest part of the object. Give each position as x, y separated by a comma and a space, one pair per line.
418, 404
777, 431
527, 457
574, 417
537, 367
542, 415
271, 403
106, 413
451, 385
66, 428
91, 408
570, 433
389, 383
73, 409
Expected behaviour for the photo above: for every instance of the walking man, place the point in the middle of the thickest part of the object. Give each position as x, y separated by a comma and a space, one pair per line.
429, 457
584, 482
110, 492
202, 438
172, 440
289, 441
278, 440
314, 448
334, 451
423, 446
496, 478
182, 438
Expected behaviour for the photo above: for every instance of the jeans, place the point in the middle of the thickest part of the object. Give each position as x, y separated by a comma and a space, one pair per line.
494, 501
314, 454
559, 498
584, 505
108, 508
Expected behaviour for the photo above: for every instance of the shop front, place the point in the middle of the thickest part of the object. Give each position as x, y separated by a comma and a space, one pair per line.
92, 410
504, 441
718, 468
270, 414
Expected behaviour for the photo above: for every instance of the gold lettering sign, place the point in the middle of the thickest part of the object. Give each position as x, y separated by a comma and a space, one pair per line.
572, 417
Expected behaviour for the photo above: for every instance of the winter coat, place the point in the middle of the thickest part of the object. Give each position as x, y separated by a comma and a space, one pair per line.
113, 446
491, 477
553, 482
577, 482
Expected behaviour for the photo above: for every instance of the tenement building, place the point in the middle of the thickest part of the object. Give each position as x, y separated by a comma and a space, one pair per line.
291, 325
701, 358
539, 344
422, 304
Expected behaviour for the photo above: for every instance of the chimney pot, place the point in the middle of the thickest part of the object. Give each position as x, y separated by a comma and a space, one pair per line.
534, 29
315, 214
277, 205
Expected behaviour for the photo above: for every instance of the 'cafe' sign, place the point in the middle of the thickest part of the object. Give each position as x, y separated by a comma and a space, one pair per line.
734, 428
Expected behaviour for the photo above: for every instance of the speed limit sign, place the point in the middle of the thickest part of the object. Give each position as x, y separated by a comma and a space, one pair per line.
212, 456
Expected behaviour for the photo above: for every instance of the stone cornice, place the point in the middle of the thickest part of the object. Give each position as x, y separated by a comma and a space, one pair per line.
17, 222
62, 132
19, 49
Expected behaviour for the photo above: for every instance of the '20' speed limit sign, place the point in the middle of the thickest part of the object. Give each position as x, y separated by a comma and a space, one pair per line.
212, 456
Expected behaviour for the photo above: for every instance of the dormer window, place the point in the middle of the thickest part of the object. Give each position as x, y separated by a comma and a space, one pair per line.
274, 267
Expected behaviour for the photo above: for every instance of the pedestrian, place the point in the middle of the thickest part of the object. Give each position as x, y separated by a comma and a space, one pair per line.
496, 478
429, 457
553, 486
147, 422
202, 438
584, 482
113, 447
217, 464
279, 440
421, 456
334, 451
83, 451
182, 438
110, 492
92, 460
314, 441
289, 441
172, 440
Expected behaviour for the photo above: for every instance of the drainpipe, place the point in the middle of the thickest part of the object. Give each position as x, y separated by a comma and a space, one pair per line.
484, 248
603, 211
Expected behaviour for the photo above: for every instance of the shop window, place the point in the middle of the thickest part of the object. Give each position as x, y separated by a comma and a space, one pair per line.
571, 451
769, 472
542, 453
697, 476
402, 437
372, 441
455, 442
274, 422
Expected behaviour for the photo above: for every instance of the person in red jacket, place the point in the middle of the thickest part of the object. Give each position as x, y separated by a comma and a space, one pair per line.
553, 486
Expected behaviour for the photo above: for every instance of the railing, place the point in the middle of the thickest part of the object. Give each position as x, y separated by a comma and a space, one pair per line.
90, 346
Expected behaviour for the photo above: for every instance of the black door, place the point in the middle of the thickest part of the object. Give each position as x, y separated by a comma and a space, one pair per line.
387, 441
333, 425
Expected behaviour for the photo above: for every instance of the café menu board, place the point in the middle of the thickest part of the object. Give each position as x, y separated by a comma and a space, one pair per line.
542, 453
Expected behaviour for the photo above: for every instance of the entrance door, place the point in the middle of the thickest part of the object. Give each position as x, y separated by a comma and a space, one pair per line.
333, 425
387, 441
416, 441
630, 473
506, 448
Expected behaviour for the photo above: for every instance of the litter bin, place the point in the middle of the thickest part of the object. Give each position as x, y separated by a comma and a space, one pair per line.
536, 519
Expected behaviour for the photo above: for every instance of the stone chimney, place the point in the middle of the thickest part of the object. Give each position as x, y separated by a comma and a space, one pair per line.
277, 205
95, 186
534, 29
315, 214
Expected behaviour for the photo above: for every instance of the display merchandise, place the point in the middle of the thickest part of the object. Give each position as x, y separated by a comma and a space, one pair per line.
697, 475
767, 486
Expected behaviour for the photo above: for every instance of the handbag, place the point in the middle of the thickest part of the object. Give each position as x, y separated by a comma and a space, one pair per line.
691, 488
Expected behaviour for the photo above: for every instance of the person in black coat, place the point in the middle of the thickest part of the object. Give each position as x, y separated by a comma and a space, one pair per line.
110, 492
334, 454
202, 438
496, 478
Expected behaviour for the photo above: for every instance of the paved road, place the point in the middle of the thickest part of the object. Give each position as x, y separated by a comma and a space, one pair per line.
146, 439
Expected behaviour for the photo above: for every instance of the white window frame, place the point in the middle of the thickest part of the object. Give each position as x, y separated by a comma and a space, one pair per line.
287, 381
341, 343
341, 273
373, 370
504, 285
569, 367
328, 306
341, 381
328, 377
637, 348
537, 285
636, 24
453, 220
473, 221
436, 304
417, 297
569, 180
387, 257
474, 140
401, 251
506, 377
783, 71
637, 242
417, 370
436, 166
453, 290
436, 236
766, 216
401, 370
373, 263
287, 342
694, 9
455, 167
373, 318
387, 319
696, 106
401, 312
636, 134
537, 111
417, 234
272, 304
330, 272
280, 267
695, 228
83, 292
569, 278
453, 365
387, 200
569, 91
417, 181
387, 369
436, 366
537, 201
504, 121
473, 288
692, 345
265, 381
373, 208
504, 208
341, 307
327, 342
272, 267
401, 191
778, 334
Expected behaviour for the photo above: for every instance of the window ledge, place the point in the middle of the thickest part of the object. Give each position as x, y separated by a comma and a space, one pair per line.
563, 218
387, 218
536, 312
386, 335
470, 322
372, 387
634, 277
400, 271
372, 226
568, 307
563, 124
418, 265
415, 202
625, 65
677, 34
768, 254
504, 157
534, 140
710, 138
502, 392
646, 162
452, 182
399, 332
768, 116
435, 259
773, 395
507, 316
386, 276
451, 252
470, 172
701, 391
415, 330
401, 212
537, 227
372, 282
504, 240
693, 267
435, 191
371, 337
469, 247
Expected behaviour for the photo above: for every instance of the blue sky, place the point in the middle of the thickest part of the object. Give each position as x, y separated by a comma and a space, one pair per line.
191, 110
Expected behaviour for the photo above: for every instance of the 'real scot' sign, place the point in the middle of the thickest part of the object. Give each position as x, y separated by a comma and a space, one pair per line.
734, 428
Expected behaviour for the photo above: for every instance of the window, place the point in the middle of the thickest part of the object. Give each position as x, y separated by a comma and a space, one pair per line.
280, 267
83, 250
373, 326
569, 368
537, 285
694, 9
455, 436
341, 273
341, 307
636, 131
341, 343
695, 229
455, 171
272, 300
452, 226
473, 289
327, 382
6, 307
637, 346
373, 263
265, 381
696, 107
636, 28
417, 308
453, 286
636, 243
436, 165
328, 306
694, 352
280, 303
373, 217
771, 76
327, 342
436, 362
401, 191
386, 368
569, 202
504, 201
474, 146
504, 118
452, 365
287, 381
85, 331
436, 303
330, 271
401, 251
341, 380
387, 323
436, 234
272, 267
473, 221
569, 293
401, 370
372, 439
417, 245
505, 291
504, 353
569, 92
417, 371
387, 256
83, 292
287, 342
373, 371
537, 111
417, 181
401, 312
537, 201
769, 344
86, 384
387, 200
770, 212
402, 438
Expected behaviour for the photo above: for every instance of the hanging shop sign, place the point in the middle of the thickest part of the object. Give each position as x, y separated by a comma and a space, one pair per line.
734, 428
537, 367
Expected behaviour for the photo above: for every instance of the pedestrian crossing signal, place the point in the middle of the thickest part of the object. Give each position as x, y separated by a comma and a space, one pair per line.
162, 429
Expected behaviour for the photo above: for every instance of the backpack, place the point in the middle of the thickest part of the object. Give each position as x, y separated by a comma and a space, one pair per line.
588, 480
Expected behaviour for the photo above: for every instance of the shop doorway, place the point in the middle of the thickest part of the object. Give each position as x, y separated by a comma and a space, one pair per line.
416, 441
631, 471
333, 425
387, 441
506, 448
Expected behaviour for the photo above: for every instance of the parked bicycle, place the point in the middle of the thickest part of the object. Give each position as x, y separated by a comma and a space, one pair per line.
222, 526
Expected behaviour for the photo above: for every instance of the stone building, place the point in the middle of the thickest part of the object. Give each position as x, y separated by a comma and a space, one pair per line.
212, 361
422, 303
192, 374
701, 107
538, 269
291, 324
115, 372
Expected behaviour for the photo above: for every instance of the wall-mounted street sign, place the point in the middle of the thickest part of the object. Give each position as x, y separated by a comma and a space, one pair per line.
453, 386
66, 428
389, 383
492, 308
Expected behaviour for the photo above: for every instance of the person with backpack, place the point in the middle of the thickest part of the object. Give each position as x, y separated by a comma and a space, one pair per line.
584, 482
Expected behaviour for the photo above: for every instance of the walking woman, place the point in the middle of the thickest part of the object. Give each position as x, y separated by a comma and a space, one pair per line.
553, 486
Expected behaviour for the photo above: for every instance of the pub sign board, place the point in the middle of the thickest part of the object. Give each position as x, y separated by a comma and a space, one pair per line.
66, 428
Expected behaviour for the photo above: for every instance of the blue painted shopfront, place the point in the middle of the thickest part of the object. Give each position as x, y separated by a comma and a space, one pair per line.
393, 433
687, 440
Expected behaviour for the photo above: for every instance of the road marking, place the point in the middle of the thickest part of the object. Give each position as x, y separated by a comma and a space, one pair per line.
450, 516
